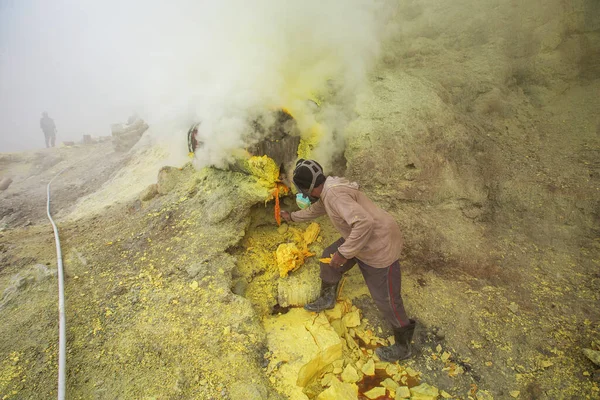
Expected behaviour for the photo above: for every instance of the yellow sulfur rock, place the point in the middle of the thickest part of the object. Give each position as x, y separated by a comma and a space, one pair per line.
402, 392
327, 379
369, 367
263, 168
362, 335
351, 342
330, 348
338, 364
350, 375
338, 311
375, 392
289, 258
311, 233
593, 355
310, 345
482, 395
338, 326
390, 369
352, 319
424, 392
389, 384
339, 391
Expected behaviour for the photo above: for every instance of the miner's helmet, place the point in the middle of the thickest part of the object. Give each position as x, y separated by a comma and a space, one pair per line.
308, 174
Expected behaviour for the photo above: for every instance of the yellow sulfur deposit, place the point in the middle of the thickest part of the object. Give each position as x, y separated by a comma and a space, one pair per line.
265, 169
308, 350
326, 260
311, 233
301, 288
339, 391
327, 353
309, 141
290, 258
301, 346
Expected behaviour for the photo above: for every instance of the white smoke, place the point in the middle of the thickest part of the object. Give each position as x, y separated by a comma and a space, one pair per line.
178, 63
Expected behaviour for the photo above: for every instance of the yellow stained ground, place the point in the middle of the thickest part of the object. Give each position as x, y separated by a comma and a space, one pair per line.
309, 353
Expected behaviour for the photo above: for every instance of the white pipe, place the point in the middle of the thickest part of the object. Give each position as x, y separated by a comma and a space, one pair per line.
62, 324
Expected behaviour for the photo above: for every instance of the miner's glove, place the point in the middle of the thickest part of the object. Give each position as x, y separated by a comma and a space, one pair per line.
337, 260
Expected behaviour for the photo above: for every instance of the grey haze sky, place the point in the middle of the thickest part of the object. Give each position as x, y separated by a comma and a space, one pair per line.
59, 56
91, 63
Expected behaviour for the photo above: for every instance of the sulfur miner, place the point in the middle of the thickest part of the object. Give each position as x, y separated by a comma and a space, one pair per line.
370, 238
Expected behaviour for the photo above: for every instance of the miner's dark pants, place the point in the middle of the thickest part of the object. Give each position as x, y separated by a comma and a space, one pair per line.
383, 283
50, 139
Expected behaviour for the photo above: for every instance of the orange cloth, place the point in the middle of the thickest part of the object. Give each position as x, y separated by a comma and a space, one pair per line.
277, 208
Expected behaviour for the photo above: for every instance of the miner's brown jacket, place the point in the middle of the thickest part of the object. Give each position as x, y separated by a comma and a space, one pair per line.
371, 234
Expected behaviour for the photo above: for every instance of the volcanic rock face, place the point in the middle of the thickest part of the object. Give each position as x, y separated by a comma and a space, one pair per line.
5, 183
125, 136
279, 140
457, 122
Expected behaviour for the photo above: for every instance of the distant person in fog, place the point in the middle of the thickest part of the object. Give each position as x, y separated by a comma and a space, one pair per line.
49, 129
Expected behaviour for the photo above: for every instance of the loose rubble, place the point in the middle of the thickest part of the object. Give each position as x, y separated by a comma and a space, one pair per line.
331, 353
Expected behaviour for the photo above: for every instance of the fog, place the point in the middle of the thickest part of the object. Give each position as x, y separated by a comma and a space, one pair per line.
60, 58
90, 64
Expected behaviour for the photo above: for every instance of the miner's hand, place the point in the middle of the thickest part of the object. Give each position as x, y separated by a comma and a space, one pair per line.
337, 260
285, 215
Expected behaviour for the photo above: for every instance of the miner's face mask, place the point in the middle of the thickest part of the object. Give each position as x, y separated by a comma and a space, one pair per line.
303, 201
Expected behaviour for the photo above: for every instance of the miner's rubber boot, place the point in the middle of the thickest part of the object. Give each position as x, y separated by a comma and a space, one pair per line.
401, 349
326, 301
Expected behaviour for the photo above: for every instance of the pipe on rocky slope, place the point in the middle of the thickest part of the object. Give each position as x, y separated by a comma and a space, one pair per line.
62, 324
